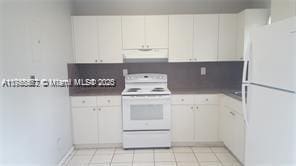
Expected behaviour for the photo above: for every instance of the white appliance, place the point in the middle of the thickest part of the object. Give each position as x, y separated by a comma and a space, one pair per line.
146, 108
270, 106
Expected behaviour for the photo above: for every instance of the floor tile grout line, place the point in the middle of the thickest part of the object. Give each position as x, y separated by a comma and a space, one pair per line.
195, 155
92, 156
154, 157
112, 156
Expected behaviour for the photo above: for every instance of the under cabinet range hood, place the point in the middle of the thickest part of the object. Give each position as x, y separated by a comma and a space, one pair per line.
146, 55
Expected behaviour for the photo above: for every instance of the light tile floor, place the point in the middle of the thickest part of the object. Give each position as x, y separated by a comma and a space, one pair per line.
177, 156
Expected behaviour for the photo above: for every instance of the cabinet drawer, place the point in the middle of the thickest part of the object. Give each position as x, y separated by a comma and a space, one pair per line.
233, 103
83, 101
206, 99
109, 100
182, 99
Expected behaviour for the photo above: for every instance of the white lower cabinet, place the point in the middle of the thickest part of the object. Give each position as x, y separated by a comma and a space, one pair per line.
182, 123
206, 123
195, 118
85, 125
99, 124
110, 124
232, 129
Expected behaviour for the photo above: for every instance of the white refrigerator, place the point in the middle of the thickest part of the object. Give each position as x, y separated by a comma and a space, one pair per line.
270, 106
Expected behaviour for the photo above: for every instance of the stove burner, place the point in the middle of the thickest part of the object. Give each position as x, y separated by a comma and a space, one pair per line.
133, 89
158, 90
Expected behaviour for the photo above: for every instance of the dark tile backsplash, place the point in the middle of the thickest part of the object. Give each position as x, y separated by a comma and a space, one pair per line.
181, 76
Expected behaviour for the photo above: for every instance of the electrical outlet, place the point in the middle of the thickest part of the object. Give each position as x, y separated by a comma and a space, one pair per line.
125, 72
203, 71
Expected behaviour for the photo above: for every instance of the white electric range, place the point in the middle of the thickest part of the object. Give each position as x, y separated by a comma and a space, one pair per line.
146, 108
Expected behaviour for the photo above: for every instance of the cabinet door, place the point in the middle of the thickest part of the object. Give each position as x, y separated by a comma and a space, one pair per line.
85, 125
228, 127
180, 38
206, 123
157, 31
206, 28
85, 39
182, 123
133, 32
227, 37
239, 150
110, 42
282, 9
110, 124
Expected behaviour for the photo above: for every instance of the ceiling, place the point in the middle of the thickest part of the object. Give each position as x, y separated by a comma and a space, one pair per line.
130, 7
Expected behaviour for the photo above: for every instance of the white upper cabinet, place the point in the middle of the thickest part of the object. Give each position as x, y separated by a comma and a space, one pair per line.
157, 31
247, 21
109, 40
144, 32
133, 32
206, 29
228, 37
180, 38
85, 38
282, 9
97, 39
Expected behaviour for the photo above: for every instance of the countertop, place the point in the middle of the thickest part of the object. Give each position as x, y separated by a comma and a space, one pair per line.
227, 92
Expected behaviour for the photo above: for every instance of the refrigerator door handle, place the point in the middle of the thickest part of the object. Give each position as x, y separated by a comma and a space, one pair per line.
247, 52
245, 70
244, 104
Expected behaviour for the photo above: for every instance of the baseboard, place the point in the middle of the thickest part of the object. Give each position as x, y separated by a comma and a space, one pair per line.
65, 158
198, 144
105, 145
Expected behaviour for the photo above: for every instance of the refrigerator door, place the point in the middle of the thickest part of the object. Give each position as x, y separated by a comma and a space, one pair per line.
273, 55
271, 133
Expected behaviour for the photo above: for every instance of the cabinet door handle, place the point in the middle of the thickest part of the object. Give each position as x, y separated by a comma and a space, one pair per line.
94, 109
99, 109
196, 107
108, 101
83, 101
101, 60
182, 99
96, 60
142, 46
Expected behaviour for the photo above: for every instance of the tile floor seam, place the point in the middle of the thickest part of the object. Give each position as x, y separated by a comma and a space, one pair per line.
218, 159
175, 157
195, 155
89, 162
133, 157
112, 156
154, 157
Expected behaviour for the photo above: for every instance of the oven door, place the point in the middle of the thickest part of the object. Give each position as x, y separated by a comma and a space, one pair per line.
146, 112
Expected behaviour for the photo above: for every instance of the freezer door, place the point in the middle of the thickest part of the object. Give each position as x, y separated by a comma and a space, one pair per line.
271, 133
273, 55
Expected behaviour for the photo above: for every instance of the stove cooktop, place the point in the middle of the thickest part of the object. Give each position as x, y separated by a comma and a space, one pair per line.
146, 91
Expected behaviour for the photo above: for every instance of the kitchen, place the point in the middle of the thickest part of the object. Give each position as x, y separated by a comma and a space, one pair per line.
167, 83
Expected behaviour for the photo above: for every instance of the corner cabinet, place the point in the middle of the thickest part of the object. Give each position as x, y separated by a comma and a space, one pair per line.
97, 39
145, 32
96, 120
232, 126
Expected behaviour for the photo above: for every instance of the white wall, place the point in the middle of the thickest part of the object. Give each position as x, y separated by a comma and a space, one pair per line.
118, 7
1, 70
37, 122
